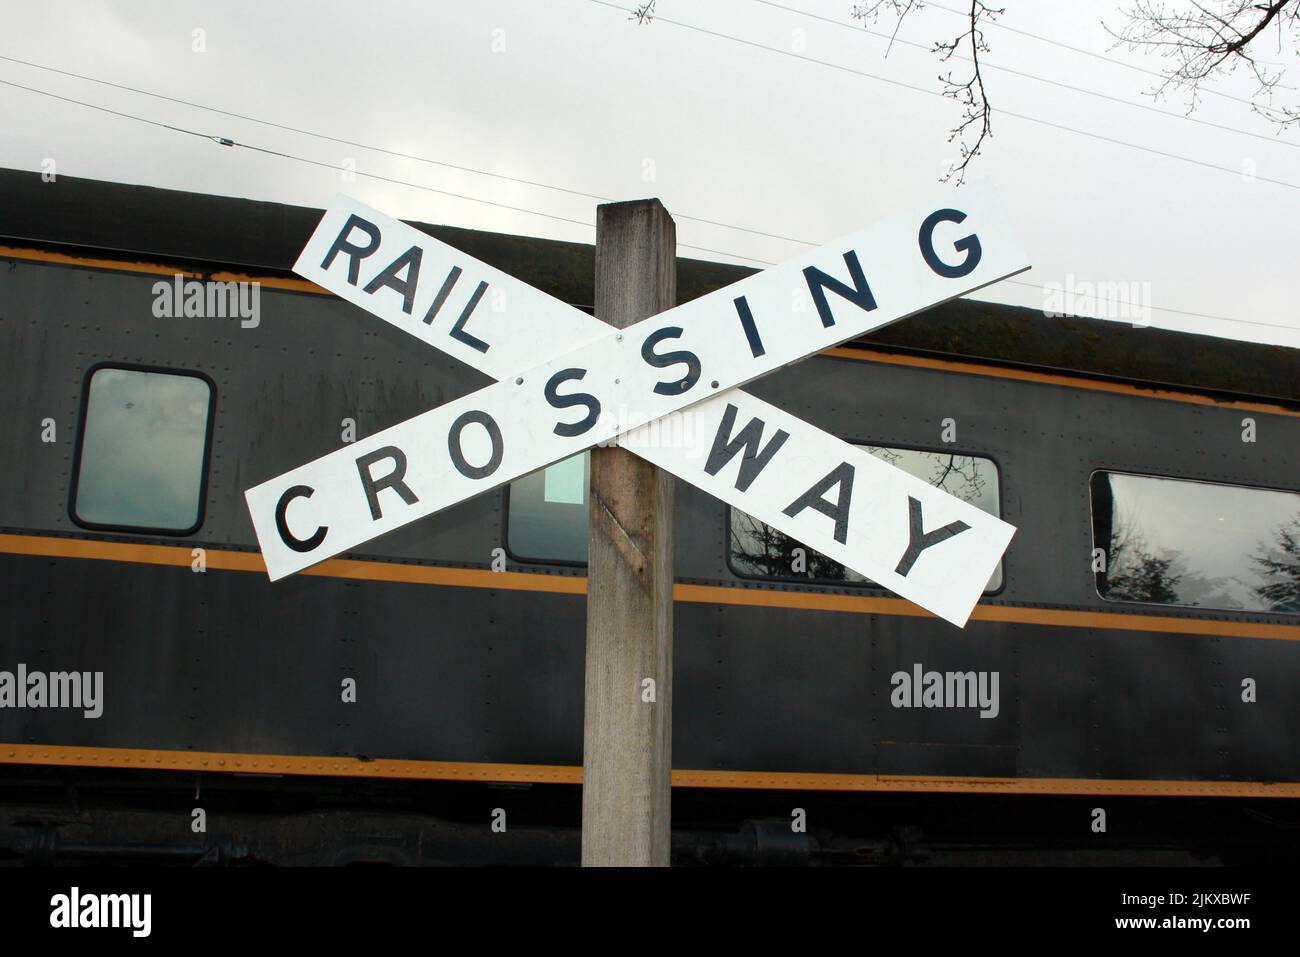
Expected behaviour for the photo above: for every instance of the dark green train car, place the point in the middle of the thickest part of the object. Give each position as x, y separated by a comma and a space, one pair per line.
1138, 651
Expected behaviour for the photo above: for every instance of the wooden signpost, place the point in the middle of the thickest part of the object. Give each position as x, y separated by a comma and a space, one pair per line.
627, 710
661, 382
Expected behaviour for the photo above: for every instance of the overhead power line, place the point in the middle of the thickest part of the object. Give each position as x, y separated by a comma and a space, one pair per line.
372, 148
992, 65
228, 142
225, 141
936, 93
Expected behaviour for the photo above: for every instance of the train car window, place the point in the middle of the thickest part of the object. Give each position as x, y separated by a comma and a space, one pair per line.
1196, 544
547, 516
760, 551
142, 451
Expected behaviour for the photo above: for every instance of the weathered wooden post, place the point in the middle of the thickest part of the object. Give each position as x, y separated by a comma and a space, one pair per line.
627, 736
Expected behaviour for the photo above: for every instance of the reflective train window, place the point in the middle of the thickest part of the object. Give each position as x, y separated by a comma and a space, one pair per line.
142, 451
547, 517
1198, 544
760, 551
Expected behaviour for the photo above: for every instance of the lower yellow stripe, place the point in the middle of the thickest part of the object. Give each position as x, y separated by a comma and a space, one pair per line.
757, 597
182, 556
556, 774
143, 759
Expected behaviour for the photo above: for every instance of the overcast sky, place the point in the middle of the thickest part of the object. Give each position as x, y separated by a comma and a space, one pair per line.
572, 94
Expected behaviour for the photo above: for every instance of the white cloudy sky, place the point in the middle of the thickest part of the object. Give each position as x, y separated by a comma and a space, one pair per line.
570, 93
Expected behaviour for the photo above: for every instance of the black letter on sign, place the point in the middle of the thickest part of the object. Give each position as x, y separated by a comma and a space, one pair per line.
409, 260
859, 294
443, 293
747, 323
558, 401
750, 438
970, 245
841, 475
458, 330
689, 359
392, 480
453, 444
920, 541
282, 524
355, 253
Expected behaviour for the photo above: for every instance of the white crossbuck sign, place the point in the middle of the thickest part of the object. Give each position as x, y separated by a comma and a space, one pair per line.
665, 388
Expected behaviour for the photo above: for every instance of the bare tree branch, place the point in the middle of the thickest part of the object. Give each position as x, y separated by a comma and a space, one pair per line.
897, 8
1209, 39
644, 13
970, 94
1203, 40
976, 124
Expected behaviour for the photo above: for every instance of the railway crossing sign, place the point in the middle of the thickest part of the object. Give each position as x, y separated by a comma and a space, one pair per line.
665, 388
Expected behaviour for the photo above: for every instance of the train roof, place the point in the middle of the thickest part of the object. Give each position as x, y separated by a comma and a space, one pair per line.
195, 229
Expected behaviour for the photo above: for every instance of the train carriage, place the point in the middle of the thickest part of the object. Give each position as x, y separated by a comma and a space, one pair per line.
1135, 652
